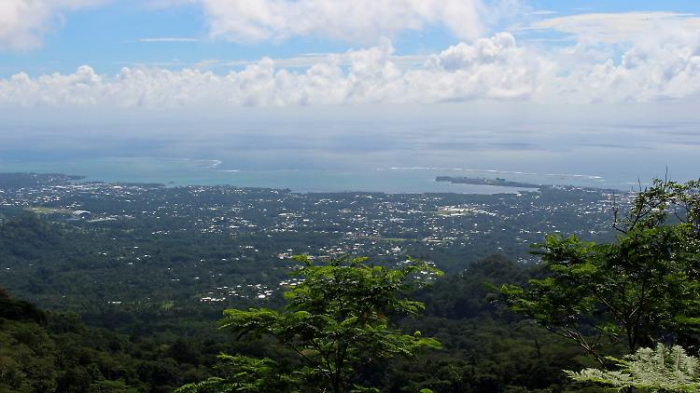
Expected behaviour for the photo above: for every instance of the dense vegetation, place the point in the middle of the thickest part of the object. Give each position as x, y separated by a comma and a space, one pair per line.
123, 335
484, 350
150, 248
338, 319
49, 352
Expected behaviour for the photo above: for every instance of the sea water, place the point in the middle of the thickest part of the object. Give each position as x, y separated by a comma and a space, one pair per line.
185, 171
372, 157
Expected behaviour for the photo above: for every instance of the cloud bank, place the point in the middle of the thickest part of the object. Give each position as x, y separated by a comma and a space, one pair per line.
488, 69
612, 58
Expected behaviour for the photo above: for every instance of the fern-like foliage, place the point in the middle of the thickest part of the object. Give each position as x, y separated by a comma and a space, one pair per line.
661, 370
246, 375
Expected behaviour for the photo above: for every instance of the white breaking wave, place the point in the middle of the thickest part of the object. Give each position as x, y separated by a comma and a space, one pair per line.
592, 177
495, 171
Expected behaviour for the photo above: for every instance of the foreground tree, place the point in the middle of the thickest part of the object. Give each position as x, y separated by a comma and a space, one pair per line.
638, 291
337, 321
661, 370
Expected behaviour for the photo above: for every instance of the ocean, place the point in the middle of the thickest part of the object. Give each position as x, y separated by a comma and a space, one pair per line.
179, 172
373, 157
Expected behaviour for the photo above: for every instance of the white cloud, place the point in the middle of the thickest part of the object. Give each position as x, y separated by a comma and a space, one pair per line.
660, 67
23, 23
404, 62
663, 69
621, 27
489, 68
627, 57
355, 21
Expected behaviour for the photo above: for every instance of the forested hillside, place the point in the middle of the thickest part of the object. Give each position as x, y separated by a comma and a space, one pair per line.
104, 305
484, 348
44, 351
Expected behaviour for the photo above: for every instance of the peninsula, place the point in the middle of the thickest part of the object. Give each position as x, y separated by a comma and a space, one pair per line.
486, 182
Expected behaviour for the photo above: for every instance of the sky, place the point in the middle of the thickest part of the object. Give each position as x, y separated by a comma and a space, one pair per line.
599, 87
213, 55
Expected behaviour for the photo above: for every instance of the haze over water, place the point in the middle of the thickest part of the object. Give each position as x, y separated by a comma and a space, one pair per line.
380, 156
378, 95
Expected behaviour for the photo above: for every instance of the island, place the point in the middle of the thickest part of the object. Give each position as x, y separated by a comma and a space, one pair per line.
28, 180
486, 182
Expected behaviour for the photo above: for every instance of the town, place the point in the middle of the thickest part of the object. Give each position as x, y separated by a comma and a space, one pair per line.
149, 245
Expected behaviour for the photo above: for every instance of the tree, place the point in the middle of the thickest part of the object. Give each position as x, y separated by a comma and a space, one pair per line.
639, 290
244, 375
337, 320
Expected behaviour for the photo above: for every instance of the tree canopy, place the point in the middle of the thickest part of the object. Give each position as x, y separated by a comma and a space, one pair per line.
639, 290
337, 319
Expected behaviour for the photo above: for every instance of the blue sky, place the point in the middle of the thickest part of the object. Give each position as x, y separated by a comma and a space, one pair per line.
129, 53
108, 37
522, 85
